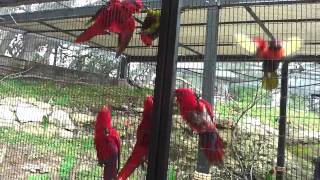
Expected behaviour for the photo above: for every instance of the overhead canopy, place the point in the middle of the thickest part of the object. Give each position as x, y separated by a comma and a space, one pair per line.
283, 20
6, 3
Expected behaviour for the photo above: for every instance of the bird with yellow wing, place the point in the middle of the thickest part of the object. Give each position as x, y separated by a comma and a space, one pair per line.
271, 52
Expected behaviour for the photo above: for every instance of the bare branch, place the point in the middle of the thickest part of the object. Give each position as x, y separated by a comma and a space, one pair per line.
15, 74
234, 137
244, 112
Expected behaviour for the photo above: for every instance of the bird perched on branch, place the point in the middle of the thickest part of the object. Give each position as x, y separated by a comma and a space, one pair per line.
107, 143
141, 148
116, 17
272, 52
198, 114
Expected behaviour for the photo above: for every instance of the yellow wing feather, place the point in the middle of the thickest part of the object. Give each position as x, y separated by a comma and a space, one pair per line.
292, 45
246, 43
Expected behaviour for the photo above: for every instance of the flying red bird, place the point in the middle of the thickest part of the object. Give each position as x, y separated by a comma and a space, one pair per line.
141, 148
198, 114
271, 52
116, 17
107, 142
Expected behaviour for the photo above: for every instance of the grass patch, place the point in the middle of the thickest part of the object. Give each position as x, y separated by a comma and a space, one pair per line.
66, 166
68, 149
269, 115
39, 177
59, 146
306, 152
74, 95
94, 173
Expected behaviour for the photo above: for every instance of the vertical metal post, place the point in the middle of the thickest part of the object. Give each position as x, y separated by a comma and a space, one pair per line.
209, 72
316, 175
123, 68
55, 55
164, 85
282, 121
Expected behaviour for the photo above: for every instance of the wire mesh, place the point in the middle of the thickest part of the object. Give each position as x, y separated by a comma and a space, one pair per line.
51, 90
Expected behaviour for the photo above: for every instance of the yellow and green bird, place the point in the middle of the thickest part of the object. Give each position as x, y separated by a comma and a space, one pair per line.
150, 27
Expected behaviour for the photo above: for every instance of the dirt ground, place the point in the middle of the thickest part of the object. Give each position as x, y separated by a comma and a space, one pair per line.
21, 161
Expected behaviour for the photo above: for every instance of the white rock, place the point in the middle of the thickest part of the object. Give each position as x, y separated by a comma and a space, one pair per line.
28, 113
254, 125
252, 121
3, 151
80, 118
36, 168
65, 134
62, 119
7, 117
13, 101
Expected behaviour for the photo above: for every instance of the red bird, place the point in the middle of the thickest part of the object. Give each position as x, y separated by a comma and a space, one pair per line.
198, 114
116, 17
271, 52
141, 148
107, 142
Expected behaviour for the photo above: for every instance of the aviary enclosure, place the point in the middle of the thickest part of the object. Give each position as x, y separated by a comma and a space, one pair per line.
52, 88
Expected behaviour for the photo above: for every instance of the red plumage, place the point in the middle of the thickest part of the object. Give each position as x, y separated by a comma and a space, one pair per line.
198, 114
116, 17
146, 39
269, 50
107, 142
141, 148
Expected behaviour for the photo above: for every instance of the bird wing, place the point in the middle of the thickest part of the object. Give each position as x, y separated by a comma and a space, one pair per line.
246, 43
292, 45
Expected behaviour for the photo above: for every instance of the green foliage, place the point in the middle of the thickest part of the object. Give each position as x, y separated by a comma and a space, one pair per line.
45, 122
247, 95
297, 102
304, 151
243, 97
39, 177
94, 60
53, 144
74, 95
61, 101
94, 173
172, 172
66, 166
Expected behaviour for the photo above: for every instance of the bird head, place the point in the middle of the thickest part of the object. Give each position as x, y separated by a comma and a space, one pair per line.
103, 123
148, 107
185, 95
275, 44
146, 38
134, 5
148, 102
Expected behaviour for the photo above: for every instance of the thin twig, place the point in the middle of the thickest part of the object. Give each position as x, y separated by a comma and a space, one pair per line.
255, 154
256, 98
234, 131
238, 159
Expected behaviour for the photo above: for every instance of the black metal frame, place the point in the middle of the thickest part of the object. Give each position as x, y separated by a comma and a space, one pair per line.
282, 121
163, 95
